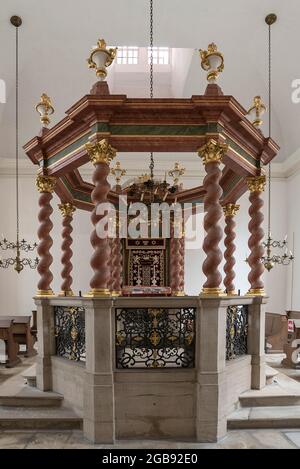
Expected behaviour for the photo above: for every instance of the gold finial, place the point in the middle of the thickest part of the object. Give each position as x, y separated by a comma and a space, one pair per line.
118, 172
256, 110
176, 173
212, 151
230, 210
256, 183
270, 19
101, 57
67, 209
144, 177
45, 183
45, 109
212, 61
100, 152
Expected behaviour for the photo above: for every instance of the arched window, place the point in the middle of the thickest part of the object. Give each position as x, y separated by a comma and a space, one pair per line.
2, 91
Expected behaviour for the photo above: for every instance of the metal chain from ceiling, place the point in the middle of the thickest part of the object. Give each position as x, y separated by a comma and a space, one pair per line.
151, 165
17, 134
270, 122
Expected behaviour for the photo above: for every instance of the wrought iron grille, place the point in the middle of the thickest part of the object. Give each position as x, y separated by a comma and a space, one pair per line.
236, 331
70, 332
155, 337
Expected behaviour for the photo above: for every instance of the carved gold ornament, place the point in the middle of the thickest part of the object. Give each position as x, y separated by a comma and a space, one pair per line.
230, 210
256, 110
144, 177
256, 183
118, 172
101, 57
256, 292
45, 183
212, 61
45, 109
100, 152
212, 152
176, 173
67, 209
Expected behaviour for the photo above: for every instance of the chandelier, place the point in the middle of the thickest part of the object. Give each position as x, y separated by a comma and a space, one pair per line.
17, 246
149, 190
270, 259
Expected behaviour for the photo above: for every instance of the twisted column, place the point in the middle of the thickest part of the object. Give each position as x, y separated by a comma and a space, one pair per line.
117, 267
256, 186
45, 186
176, 270
110, 264
212, 154
100, 153
230, 211
67, 211
181, 261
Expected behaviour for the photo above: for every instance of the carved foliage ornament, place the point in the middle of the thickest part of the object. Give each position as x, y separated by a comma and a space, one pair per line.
45, 183
212, 152
230, 210
256, 183
67, 209
100, 152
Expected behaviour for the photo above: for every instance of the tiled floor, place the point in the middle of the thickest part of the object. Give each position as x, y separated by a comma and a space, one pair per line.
248, 439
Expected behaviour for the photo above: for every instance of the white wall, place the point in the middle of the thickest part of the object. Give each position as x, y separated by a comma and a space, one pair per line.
292, 209
16, 291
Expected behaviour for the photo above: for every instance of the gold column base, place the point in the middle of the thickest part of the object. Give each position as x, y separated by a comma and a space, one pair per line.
231, 293
116, 293
256, 292
212, 292
178, 293
98, 293
44, 293
66, 293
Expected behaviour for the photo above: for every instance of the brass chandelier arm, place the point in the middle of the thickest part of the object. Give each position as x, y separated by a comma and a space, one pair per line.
270, 259
16, 261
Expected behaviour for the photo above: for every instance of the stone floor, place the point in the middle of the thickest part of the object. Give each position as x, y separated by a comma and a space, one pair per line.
51, 439
248, 439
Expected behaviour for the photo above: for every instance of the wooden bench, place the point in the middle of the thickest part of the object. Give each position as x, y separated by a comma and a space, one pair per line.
22, 333
11, 346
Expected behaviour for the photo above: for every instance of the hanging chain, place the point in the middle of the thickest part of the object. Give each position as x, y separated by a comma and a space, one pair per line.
17, 134
151, 165
270, 122
151, 49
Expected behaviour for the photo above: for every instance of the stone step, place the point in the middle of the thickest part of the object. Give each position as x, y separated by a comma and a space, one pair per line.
30, 376
264, 417
45, 399
17, 418
253, 400
271, 374
283, 391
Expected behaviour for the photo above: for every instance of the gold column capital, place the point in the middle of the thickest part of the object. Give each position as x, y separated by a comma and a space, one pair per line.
100, 152
212, 151
256, 183
230, 210
67, 209
45, 183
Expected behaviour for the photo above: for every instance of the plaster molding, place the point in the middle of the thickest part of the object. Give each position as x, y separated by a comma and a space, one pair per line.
195, 171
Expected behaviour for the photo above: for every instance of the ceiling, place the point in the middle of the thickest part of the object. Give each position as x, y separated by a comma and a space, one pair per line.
56, 37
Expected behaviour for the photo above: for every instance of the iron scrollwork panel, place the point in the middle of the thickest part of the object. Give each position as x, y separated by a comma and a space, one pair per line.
155, 337
236, 331
70, 332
